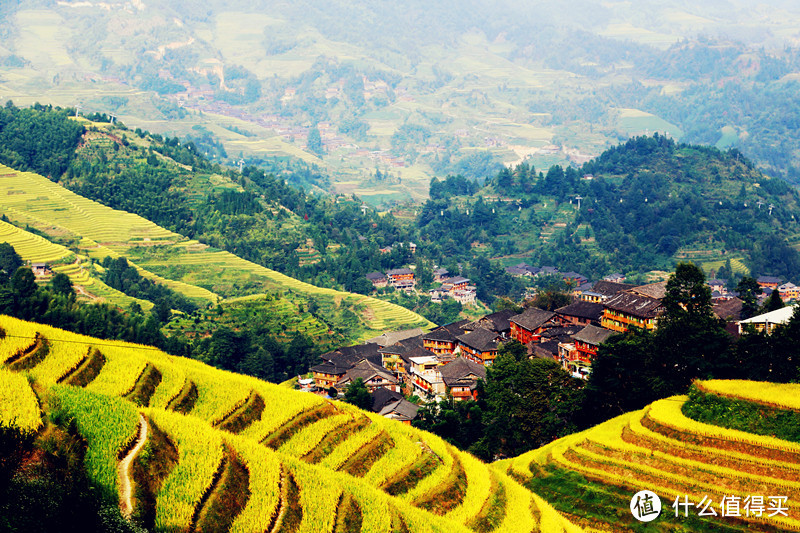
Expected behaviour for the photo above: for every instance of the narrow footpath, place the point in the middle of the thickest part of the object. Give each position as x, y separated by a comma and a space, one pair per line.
125, 485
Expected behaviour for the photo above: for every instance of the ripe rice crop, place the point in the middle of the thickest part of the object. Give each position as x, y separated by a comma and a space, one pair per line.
18, 404
172, 381
668, 413
440, 474
219, 393
405, 452
291, 405
351, 445
120, 373
17, 336
264, 468
309, 437
200, 453
780, 395
479, 482
64, 357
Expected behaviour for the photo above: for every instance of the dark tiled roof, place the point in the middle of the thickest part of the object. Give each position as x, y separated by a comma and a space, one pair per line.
610, 288
417, 351
728, 310
399, 272
382, 396
440, 334
456, 280
653, 290
516, 271
329, 368
563, 331
459, 369
768, 279
501, 319
403, 408
582, 309
367, 370
574, 275
593, 335
545, 350
635, 305
480, 339
393, 337
375, 276
532, 318
456, 328
348, 356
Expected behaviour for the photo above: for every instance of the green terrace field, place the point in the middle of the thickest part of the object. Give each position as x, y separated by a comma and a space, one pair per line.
227, 452
191, 268
662, 449
37, 249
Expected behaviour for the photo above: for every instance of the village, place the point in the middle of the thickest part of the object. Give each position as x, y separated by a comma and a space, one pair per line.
449, 360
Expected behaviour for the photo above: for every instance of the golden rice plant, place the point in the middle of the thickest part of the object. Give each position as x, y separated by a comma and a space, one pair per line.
350, 446
18, 404
305, 440
200, 453
264, 468
780, 395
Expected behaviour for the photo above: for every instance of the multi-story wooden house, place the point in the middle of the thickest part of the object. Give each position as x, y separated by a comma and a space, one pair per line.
479, 346
401, 278
528, 325
628, 310
586, 342
461, 378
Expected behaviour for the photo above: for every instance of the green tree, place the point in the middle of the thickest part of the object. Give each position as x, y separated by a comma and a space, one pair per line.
748, 289
314, 142
358, 394
10, 260
773, 303
529, 402
687, 295
62, 284
23, 282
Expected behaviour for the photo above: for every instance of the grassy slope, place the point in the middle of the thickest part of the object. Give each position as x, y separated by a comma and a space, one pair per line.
458, 482
188, 267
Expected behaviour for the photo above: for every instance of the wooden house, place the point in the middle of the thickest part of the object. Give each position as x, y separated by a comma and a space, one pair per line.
461, 378
527, 326
479, 346
628, 310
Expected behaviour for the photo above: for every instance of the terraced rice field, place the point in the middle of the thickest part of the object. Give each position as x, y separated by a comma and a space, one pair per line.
32, 247
310, 465
33, 199
661, 449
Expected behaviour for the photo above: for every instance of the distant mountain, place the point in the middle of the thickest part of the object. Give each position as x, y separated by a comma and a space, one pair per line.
399, 94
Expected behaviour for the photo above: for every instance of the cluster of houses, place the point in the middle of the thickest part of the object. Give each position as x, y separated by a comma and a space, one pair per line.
451, 359
458, 288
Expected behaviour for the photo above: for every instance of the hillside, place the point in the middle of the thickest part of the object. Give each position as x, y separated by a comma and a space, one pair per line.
298, 462
98, 231
644, 205
720, 441
354, 87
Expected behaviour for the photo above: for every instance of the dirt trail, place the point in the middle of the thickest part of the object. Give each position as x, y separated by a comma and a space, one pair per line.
125, 485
